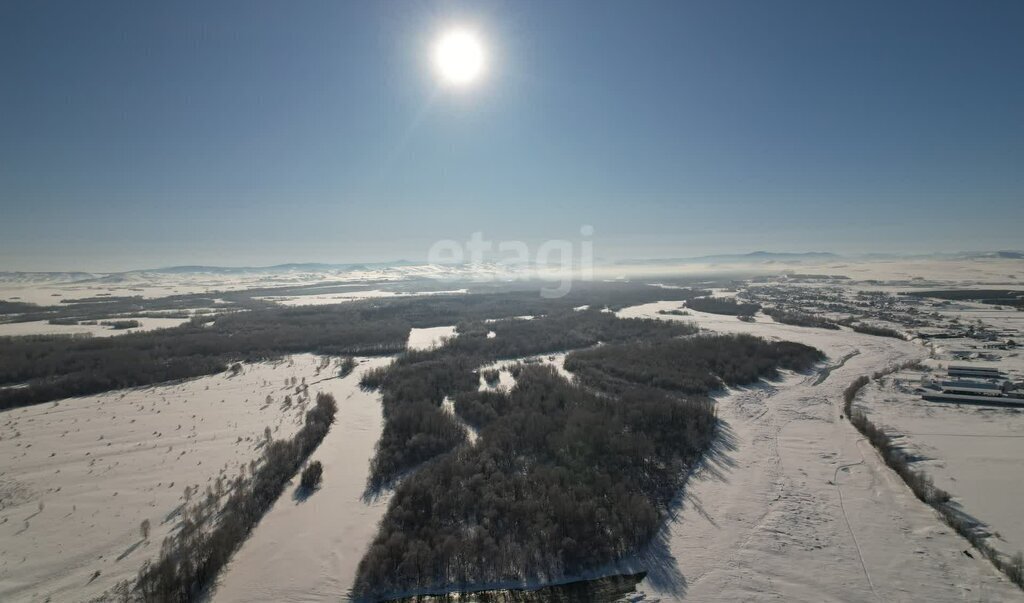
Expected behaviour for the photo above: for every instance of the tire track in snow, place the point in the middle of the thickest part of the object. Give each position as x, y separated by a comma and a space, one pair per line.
846, 518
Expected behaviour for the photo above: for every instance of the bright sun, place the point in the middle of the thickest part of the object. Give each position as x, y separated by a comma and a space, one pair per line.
459, 57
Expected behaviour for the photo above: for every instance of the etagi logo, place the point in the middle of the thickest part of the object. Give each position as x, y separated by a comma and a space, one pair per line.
555, 260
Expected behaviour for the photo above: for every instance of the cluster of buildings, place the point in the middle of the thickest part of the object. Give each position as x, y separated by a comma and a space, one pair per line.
973, 384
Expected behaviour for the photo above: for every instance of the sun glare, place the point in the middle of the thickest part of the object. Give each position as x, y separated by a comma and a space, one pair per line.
459, 57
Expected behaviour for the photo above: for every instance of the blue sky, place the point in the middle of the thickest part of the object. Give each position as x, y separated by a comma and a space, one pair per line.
142, 134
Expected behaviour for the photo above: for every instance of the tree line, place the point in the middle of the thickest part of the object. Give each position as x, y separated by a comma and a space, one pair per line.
868, 329
723, 305
693, 365
55, 368
800, 319
52, 367
190, 558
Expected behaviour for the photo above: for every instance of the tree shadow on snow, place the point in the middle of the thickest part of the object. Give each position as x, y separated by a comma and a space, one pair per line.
663, 570
301, 493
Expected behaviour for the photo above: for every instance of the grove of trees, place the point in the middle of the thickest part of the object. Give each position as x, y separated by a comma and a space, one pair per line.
416, 429
693, 365
723, 305
800, 319
561, 479
564, 476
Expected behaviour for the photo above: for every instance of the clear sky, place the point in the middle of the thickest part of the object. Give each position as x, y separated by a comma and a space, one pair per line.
140, 134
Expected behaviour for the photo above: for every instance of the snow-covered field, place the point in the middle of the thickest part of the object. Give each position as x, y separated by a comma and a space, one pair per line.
49, 288
796, 506
308, 549
429, 338
325, 299
976, 453
79, 476
42, 327
792, 505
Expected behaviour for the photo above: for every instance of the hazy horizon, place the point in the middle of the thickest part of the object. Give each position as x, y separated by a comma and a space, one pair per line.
733, 257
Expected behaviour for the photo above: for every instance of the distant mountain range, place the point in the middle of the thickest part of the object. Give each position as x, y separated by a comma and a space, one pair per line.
768, 257
756, 257
422, 269
293, 267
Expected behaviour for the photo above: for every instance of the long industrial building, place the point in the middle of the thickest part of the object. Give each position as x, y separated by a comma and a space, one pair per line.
972, 387
969, 399
978, 372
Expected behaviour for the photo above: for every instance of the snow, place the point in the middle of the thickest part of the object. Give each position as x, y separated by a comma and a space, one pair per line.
795, 505
792, 505
430, 337
504, 367
973, 452
505, 379
523, 317
336, 298
42, 327
308, 549
448, 406
326, 298
102, 464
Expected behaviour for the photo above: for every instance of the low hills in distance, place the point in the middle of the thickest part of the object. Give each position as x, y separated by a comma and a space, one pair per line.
400, 268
